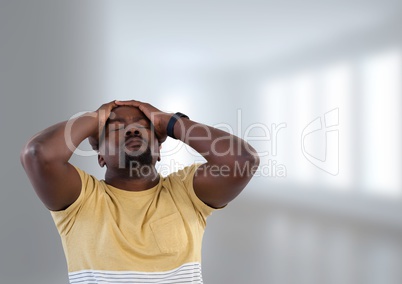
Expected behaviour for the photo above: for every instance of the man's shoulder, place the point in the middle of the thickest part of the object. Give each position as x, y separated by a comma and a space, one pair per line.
89, 181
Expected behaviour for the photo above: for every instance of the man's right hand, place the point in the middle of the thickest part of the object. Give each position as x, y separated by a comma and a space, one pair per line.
103, 113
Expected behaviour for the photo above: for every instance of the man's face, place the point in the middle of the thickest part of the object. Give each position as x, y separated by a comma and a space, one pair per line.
128, 139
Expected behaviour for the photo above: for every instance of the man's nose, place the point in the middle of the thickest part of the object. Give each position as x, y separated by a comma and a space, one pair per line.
132, 131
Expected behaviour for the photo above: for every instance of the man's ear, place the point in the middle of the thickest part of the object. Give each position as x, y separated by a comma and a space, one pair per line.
101, 161
159, 152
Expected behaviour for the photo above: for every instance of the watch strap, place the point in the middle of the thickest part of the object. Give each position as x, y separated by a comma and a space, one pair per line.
172, 122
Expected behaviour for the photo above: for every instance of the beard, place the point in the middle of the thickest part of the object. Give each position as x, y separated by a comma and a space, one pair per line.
140, 165
142, 159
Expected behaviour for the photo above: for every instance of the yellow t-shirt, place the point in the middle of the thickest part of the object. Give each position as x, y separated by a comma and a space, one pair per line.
111, 235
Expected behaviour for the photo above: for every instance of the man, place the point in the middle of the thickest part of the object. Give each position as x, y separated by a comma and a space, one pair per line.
135, 226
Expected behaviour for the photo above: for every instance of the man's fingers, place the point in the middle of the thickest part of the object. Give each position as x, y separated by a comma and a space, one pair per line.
146, 108
128, 103
152, 113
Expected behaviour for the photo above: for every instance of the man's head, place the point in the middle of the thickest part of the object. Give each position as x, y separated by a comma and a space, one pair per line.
128, 139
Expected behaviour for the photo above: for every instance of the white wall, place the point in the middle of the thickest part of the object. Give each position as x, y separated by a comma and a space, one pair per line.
49, 70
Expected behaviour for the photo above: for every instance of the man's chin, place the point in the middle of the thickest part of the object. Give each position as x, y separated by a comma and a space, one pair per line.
139, 158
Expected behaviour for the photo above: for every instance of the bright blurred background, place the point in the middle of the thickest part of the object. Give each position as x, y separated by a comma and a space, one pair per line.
314, 86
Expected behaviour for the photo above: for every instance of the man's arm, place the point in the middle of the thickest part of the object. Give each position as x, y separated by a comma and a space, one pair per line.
45, 158
231, 161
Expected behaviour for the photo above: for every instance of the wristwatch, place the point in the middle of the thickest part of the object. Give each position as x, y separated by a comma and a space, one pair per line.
172, 122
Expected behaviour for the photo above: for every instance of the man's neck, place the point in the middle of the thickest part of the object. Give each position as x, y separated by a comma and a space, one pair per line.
138, 180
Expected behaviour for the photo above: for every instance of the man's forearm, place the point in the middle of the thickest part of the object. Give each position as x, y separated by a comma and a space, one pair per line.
58, 142
216, 146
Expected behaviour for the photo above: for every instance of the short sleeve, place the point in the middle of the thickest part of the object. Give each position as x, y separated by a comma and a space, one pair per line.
186, 177
64, 219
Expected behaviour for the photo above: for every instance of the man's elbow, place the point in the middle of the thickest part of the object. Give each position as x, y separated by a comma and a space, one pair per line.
250, 156
245, 165
33, 153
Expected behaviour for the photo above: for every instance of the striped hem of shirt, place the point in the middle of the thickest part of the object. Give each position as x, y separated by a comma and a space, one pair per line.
189, 273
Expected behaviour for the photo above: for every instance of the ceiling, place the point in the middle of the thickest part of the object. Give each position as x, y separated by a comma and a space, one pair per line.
195, 33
